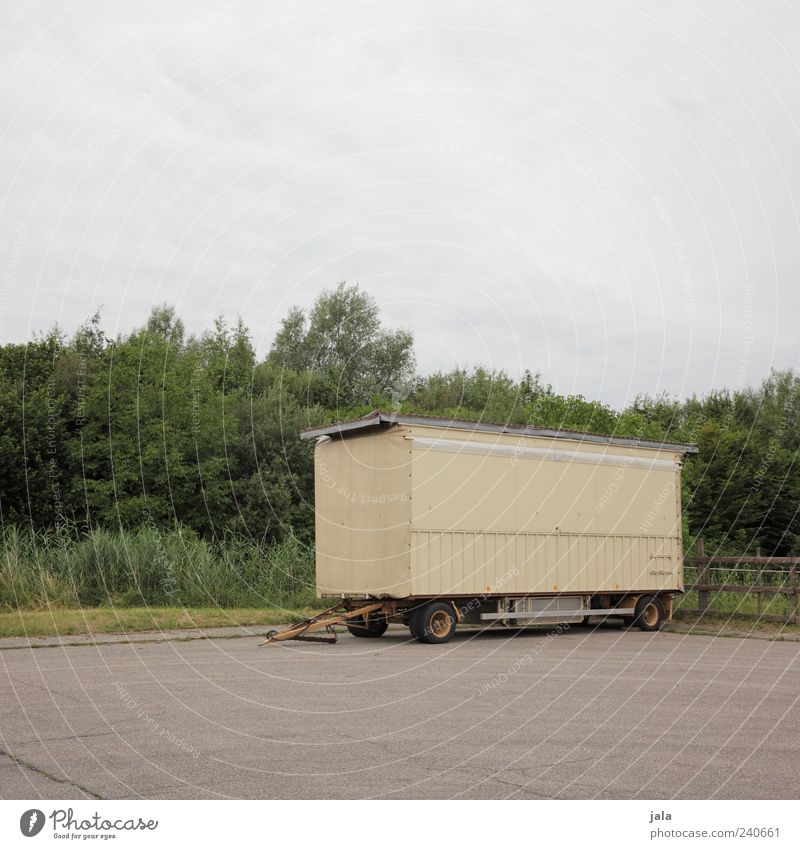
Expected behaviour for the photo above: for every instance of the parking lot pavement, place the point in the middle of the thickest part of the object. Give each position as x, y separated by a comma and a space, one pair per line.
583, 713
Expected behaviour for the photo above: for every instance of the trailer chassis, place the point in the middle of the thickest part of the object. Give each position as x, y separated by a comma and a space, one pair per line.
435, 619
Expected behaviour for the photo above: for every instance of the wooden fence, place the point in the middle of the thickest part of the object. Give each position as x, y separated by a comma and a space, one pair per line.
762, 577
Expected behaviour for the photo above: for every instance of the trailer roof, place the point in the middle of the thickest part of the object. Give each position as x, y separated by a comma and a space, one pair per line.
377, 418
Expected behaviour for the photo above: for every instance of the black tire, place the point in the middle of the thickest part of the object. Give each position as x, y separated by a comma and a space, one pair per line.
414, 617
649, 614
413, 621
375, 625
434, 623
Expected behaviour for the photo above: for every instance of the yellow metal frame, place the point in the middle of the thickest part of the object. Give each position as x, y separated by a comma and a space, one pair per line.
325, 621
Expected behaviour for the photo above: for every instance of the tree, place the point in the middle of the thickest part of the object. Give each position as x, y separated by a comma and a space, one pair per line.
227, 355
164, 322
32, 433
153, 448
342, 339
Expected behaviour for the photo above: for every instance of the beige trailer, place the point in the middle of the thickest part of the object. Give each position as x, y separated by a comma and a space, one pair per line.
440, 522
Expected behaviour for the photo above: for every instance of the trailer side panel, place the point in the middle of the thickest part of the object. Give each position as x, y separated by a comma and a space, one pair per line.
517, 515
363, 514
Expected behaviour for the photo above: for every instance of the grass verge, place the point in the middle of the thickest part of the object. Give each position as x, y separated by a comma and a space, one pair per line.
109, 620
88, 621
722, 624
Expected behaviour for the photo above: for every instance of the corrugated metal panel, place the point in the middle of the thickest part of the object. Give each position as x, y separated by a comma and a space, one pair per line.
443, 562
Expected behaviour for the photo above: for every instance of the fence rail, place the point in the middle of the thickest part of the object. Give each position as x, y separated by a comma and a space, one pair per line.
759, 580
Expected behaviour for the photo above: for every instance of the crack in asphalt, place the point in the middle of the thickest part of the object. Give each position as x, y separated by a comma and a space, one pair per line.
39, 771
88, 735
47, 689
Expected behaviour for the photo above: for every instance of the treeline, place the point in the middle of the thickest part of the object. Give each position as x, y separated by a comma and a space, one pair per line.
159, 430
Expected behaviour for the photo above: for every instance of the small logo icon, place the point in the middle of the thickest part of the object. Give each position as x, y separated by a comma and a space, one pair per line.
31, 822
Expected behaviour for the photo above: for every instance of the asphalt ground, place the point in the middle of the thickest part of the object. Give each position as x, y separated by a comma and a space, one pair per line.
577, 714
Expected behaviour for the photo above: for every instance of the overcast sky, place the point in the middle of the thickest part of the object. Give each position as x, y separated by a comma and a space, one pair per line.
601, 191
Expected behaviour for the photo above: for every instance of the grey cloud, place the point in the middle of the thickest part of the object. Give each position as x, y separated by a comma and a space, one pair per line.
603, 194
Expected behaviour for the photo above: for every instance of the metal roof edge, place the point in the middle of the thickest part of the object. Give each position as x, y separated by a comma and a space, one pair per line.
338, 428
378, 418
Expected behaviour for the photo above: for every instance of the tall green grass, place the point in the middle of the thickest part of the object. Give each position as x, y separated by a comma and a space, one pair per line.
737, 603
153, 567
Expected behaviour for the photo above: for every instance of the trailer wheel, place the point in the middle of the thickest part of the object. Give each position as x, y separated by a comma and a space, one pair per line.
434, 623
649, 614
375, 625
414, 618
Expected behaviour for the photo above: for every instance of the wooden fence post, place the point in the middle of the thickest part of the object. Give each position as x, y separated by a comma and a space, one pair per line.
793, 582
702, 577
759, 581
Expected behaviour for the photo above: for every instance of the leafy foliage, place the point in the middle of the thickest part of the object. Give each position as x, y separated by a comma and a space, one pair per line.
344, 342
156, 444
